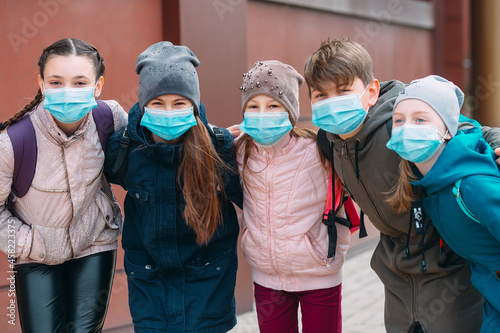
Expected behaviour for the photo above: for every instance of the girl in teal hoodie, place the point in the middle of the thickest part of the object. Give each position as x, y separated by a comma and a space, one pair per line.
454, 175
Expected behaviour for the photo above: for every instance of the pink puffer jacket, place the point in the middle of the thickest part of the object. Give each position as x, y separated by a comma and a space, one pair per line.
69, 211
284, 238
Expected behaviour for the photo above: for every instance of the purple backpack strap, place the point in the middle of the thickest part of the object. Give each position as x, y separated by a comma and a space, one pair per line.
23, 138
103, 118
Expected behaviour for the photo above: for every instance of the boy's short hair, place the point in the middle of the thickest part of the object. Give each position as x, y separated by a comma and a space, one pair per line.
339, 62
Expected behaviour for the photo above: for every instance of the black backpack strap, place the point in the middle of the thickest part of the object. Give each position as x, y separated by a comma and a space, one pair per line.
103, 118
324, 144
218, 134
120, 166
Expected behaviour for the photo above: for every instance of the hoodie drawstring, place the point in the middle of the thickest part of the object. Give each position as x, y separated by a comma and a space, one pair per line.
417, 216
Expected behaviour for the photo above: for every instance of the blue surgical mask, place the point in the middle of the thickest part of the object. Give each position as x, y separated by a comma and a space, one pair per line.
339, 115
416, 143
68, 105
266, 128
168, 125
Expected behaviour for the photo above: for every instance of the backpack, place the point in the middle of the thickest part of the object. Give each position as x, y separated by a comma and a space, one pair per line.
23, 138
354, 221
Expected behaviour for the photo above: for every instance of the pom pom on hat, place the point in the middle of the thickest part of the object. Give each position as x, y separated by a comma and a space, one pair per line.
164, 69
442, 95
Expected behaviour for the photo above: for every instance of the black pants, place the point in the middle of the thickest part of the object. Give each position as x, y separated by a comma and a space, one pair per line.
69, 297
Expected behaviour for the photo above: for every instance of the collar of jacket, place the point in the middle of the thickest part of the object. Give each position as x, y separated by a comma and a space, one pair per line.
48, 127
281, 148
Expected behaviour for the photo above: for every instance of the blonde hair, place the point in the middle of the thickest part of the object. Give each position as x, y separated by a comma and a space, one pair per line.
402, 193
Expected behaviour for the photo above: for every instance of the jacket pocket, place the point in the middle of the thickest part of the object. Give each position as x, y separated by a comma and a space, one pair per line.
138, 193
316, 250
210, 284
105, 205
146, 289
250, 249
50, 245
37, 252
139, 265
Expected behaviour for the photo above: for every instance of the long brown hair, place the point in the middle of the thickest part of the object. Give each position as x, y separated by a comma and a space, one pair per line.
402, 193
200, 179
63, 47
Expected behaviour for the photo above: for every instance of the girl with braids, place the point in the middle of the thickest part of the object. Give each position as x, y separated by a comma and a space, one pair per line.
180, 229
66, 226
295, 258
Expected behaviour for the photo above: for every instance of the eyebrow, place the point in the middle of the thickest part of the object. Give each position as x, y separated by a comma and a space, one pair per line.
60, 77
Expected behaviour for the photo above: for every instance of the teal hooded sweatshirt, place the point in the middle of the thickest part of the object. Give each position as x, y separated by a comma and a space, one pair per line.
468, 157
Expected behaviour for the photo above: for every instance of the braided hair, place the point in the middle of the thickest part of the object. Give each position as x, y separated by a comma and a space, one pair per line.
63, 47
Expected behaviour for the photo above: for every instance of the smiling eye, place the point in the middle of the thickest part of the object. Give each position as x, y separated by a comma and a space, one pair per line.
252, 107
54, 83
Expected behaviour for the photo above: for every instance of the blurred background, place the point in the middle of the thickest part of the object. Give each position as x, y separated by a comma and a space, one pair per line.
407, 39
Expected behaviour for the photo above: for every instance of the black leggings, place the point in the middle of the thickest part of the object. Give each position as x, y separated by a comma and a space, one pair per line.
69, 297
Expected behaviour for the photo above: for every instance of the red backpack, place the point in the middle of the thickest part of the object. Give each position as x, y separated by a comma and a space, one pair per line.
330, 217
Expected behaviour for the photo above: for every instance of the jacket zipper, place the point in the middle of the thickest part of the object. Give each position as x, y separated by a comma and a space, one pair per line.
70, 199
320, 256
413, 286
270, 237
345, 154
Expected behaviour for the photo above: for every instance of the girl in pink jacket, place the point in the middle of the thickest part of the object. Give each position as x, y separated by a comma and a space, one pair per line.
285, 190
61, 235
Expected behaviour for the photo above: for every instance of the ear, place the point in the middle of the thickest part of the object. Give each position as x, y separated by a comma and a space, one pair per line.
373, 91
40, 84
98, 87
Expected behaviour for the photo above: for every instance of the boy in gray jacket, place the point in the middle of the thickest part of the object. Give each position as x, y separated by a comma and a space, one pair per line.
427, 285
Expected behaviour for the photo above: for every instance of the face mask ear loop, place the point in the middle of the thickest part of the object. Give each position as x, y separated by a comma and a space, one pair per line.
43, 85
444, 136
368, 109
365, 89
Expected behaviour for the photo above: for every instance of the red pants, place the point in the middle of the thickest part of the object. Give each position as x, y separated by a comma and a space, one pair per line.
277, 310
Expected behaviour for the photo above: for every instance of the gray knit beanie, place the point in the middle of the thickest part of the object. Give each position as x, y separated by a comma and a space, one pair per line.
442, 95
165, 69
276, 80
